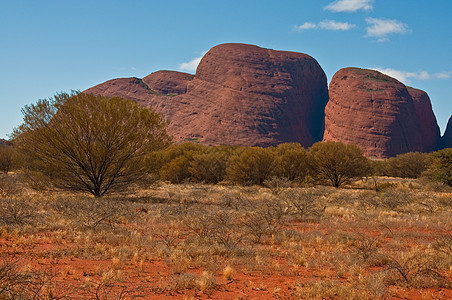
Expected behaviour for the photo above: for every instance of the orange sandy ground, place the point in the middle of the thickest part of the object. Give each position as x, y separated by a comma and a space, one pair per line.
263, 284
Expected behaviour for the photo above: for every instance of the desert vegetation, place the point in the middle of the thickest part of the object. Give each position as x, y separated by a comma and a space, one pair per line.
195, 221
277, 240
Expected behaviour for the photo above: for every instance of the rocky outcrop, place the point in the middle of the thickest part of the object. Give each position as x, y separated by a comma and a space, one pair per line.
155, 90
168, 82
246, 95
447, 138
430, 132
374, 111
241, 95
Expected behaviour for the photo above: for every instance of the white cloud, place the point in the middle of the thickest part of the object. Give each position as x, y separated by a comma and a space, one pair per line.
191, 65
381, 28
327, 25
349, 5
382, 40
397, 74
404, 76
333, 25
443, 75
306, 25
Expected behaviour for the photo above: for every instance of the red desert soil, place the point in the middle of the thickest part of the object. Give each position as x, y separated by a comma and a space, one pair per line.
272, 282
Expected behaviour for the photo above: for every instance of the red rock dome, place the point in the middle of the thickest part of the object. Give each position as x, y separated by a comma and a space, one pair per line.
374, 111
241, 95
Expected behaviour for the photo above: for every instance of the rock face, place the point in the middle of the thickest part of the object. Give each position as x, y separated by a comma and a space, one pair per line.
373, 111
447, 138
168, 82
430, 132
155, 90
241, 95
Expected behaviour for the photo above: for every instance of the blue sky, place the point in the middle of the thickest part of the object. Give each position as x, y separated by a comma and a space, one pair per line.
48, 46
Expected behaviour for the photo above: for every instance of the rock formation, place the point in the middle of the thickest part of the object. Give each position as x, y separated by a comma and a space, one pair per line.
247, 95
241, 95
373, 111
430, 132
155, 90
447, 138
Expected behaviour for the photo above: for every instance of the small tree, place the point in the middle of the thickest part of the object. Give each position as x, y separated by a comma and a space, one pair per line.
441, 169
89, 143
338, 162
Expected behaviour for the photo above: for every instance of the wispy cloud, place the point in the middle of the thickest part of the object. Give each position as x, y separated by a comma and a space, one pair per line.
192, 64
381, 28
333, 25
305, 26
443, 75
405, 76
349, 5
326, 25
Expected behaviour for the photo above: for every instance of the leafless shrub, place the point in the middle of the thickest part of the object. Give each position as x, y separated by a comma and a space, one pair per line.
92, 213
234, 200
303, 204
15, 211
170, 235
220, 227
45, 285
365, 247
277, 184
11, 279
266, 218
110, 286
393, 199
199, 224
415, 269
444, 245
226, 229
8, 188
16, 283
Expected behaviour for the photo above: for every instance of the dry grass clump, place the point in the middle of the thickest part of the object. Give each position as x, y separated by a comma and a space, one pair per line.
363, 287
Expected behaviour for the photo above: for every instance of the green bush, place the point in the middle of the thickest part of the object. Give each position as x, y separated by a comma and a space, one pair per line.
293, 161
252, 165
210, 166
441, 168
176, 171
173, 163
407, 165
338, 162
